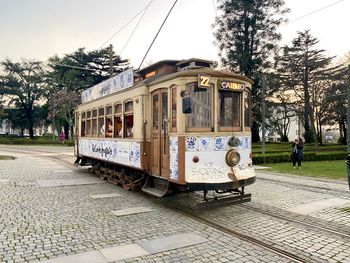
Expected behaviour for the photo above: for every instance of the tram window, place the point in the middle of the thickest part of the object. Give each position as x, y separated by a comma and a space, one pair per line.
83, 122
118, 126
229, 108
128, 119
129, 106
118, 121
173, 109
155, 111
94, 123
101, 126
129, 125
247, 107
165, 111
108, 110
82, 134
88, 123
108, 127
118, 109
201, 107
109, 122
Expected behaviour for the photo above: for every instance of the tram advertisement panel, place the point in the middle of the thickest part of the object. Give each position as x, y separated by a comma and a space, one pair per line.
123, 152
211, 166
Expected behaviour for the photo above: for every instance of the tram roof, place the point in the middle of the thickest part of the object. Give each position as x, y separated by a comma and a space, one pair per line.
192, 72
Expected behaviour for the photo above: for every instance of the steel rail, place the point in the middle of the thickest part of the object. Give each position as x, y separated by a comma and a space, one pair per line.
285, 218
237, 234
305, 186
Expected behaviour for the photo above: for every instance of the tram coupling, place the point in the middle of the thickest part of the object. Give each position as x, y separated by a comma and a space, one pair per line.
223, 199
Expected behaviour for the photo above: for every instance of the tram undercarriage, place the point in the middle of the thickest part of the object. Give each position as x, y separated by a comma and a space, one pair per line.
135, 180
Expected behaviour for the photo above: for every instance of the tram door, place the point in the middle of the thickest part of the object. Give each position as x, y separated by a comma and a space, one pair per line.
160, 137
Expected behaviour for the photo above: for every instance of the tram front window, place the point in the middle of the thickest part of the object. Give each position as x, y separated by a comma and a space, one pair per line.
201, 107
229, 108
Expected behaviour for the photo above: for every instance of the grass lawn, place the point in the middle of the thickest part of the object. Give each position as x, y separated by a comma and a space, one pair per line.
328, 169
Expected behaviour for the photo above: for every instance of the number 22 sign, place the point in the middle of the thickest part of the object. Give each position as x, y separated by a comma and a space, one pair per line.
203, 81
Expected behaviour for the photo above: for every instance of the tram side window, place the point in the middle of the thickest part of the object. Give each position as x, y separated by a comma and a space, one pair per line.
173, 109
128, 119
88, 123
94, 123
109, 122
247, 109
155, 111
118, 124
229, 108
83, 123
202, 107
101, 127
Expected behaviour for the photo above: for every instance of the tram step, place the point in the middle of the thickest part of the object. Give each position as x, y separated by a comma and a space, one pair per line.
156, 186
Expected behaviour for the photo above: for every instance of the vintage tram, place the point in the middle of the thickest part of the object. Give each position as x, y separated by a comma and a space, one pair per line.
172, 126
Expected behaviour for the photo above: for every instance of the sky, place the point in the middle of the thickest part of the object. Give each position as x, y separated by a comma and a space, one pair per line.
39, 29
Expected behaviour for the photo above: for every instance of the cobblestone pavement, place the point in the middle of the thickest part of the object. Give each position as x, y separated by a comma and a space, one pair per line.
39, 223
287, 192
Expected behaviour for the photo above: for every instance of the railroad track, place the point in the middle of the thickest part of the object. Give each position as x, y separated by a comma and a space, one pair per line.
283, 253
298, 222
312, 188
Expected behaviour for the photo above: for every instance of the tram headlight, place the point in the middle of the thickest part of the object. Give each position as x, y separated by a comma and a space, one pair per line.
232, 158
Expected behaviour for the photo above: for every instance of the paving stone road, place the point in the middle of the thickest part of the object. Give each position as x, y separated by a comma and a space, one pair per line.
53, 222
55, 212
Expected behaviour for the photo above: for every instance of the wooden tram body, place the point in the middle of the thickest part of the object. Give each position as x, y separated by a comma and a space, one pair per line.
176, 125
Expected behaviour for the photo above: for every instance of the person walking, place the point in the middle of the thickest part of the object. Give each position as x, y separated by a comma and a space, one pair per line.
297, 152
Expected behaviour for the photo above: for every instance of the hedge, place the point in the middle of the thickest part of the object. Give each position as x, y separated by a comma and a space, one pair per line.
27, 141
308, 156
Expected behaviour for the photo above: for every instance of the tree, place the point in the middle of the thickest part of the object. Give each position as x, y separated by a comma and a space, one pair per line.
335, 104
81, 69
305, 70
74, 73
246, 35
62, 105
24, 84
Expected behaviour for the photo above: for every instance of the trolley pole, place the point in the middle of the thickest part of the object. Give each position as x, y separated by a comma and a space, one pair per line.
348, 112
263, 114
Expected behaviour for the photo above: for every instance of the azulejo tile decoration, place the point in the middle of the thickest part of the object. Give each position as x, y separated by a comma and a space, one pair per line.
191, 144
205, 144
218, 143
174, 166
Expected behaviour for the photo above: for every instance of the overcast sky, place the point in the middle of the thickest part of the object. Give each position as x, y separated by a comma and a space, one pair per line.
38, 29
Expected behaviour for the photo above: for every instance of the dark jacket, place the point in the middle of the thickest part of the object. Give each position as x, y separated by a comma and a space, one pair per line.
297, 151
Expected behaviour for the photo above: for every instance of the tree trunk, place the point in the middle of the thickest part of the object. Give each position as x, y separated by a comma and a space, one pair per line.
255, 132
66, 130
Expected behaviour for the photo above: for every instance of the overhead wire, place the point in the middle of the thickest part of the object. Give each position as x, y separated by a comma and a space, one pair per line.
315, 11
69, 66
144, 10
154, 39
126, 24
132, 33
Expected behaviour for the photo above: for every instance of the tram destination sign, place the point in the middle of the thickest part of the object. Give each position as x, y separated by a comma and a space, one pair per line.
119, 82
231, 85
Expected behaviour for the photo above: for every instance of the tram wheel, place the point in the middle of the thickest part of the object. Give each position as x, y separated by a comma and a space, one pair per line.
126, 186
